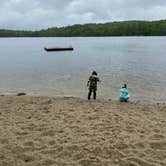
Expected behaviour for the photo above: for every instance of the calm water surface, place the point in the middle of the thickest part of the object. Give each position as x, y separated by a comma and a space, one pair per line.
138, 61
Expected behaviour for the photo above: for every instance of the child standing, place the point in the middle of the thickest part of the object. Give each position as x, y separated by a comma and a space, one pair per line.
92, 84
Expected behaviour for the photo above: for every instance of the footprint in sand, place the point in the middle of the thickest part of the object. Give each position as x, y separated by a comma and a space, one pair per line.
29, 143
4, 141
134, 161
27, 158
140, 145
156, 137
54, 151
48, 162
88, 162
158, 145
22, 133
52, 142
48, 133
79, 156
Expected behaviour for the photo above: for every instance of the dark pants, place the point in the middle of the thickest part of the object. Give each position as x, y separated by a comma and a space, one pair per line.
94, 94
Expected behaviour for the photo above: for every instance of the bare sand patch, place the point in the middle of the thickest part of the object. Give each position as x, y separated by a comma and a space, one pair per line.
45, 131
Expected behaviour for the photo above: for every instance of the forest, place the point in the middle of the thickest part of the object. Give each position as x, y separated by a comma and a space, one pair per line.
122, 28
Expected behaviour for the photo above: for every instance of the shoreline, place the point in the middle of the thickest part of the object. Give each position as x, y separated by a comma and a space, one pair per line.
70, 131
131, 100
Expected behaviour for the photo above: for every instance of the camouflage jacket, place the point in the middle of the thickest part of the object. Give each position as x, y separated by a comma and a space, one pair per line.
93, 79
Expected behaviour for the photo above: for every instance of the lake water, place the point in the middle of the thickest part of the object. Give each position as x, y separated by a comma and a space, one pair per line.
138, 61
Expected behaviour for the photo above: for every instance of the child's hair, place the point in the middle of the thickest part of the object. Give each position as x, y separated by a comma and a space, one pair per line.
94, 73
125, 86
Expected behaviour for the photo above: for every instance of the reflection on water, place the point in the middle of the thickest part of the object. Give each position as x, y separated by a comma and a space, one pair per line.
138, 61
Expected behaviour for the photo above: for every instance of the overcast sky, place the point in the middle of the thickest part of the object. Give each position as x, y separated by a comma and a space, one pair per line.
39, 14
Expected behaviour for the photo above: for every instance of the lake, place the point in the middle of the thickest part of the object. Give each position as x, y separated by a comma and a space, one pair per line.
138, 61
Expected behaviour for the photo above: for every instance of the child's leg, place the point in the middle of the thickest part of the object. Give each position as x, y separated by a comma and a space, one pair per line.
94, 95
89, 94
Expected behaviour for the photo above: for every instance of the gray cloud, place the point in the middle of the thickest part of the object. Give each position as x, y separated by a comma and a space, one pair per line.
38, 14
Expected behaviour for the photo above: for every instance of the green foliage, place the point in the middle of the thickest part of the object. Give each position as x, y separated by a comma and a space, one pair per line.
124, 28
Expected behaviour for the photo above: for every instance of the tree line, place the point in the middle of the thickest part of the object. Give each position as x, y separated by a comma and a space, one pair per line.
123, 28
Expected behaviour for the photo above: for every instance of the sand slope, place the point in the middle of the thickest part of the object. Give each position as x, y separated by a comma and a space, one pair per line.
43, 131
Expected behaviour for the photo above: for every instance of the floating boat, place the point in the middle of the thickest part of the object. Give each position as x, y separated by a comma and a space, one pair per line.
59, 49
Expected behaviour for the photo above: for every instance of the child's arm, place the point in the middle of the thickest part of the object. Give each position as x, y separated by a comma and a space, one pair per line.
98, 80
88, 83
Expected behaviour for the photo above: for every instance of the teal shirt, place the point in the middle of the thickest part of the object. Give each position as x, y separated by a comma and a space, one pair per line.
124, 93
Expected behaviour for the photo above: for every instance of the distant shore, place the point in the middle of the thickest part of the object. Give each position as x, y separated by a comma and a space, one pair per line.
117, 28
76, 132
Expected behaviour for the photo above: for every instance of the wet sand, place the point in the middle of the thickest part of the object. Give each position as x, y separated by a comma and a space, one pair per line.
46, 131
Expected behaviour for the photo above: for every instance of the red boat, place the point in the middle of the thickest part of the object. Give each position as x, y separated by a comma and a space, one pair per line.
59, 49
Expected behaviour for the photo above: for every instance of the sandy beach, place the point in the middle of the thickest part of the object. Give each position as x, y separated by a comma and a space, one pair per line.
47, 131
